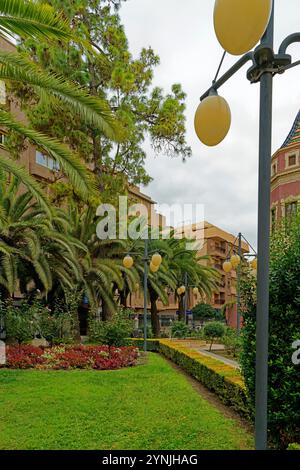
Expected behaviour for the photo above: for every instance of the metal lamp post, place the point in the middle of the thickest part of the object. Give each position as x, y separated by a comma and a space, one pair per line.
266, 64
128, 262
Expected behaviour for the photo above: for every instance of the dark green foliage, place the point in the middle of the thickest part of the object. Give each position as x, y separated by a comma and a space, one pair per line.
20, 322
232, 342
284, 376
111, 72
214, 331
31, 318
111, 333
203, 312
179, 329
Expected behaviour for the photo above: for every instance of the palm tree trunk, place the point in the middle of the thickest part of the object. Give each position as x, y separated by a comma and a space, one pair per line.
181, 309
155, 323
106, 313
123, 298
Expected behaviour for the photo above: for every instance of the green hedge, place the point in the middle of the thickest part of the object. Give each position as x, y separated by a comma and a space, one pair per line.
294, 447
218, 377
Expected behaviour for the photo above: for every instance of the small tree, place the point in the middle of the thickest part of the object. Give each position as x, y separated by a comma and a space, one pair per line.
232, 342
204, 312
213, 331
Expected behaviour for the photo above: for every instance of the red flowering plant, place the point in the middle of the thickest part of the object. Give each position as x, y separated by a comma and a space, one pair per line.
70, 357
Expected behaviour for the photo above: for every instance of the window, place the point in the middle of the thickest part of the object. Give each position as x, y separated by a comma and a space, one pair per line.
46, 161
292, 160
274, 169
291, 209
2, 139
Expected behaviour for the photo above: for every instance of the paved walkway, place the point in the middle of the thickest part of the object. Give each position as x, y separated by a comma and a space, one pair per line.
201, 347
229, 362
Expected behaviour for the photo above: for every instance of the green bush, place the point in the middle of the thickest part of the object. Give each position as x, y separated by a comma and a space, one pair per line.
20, 324
232, 342
284, 376
214, 331
179, 329
204, 312
294, 446
112, 333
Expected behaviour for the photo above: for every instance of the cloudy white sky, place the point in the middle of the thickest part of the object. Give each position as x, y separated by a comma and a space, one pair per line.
224, 178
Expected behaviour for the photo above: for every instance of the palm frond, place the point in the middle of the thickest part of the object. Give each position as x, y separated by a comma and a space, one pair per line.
69, 163
32, 19
94, 111
31, 184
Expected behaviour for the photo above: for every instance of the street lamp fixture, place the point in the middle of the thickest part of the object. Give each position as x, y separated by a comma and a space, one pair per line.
235, 260
234, 20
227, 267
196, 291
155, 264
212, 120
240, 24
128, 262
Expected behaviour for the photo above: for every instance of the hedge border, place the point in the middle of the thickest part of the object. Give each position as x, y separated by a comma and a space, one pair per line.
222, 379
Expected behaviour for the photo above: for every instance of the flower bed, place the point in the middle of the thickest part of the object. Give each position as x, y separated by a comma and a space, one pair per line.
70, 357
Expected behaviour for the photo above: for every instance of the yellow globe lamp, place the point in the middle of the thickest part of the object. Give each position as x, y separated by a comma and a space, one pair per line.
179, 292
156, 259
195, 291
227, 267
254, 264
182, 289
128, 262
212, 120
240, 24
235, 260
153, 268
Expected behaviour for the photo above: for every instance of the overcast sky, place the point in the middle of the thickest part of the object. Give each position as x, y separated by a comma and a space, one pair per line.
223, 178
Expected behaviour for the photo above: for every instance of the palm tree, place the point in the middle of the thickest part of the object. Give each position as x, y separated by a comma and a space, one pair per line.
40, 21
36, 253
176, 262
102, 270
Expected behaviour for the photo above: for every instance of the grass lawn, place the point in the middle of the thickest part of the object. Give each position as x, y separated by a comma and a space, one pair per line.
151, 407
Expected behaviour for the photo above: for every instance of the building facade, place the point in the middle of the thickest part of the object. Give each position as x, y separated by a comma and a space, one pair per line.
285, 182
217, 245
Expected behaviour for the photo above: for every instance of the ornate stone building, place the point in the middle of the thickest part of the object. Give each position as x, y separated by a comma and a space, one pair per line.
285, 182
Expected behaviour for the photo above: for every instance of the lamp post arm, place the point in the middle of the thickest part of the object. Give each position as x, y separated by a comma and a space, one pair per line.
227, 75
291, 39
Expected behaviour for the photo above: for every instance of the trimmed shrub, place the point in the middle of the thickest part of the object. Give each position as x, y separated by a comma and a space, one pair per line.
218, 377
294, 446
